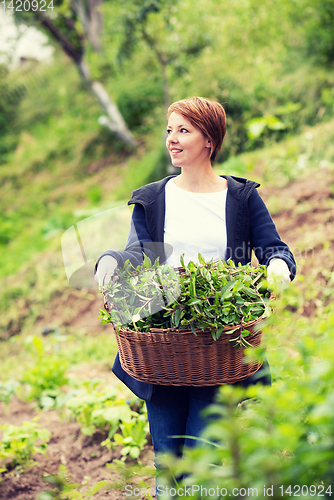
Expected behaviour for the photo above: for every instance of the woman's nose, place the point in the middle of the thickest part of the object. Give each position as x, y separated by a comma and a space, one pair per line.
171, 137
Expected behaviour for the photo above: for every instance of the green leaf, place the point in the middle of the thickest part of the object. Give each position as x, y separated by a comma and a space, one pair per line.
274, 123
250, 292
125, 450
94, 489
192, 302
146, 262
134, 452
128, 440
229, 285
88, 430
118, 439
245, 333
177, 317
219, 332
193, 328
192, 288
201, 259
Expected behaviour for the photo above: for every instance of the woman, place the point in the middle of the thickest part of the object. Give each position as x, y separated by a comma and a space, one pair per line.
195, 212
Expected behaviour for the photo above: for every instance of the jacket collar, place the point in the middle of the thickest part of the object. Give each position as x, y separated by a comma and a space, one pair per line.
239, 186
147, 194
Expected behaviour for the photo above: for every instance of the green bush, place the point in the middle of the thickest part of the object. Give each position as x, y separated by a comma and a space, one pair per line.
45, 379
280, 438
103, 410
138, 101
319, 32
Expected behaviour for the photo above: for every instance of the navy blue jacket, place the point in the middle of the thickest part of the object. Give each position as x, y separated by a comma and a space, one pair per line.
249, 227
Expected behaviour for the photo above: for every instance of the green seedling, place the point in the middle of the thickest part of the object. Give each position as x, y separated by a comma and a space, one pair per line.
132, 437
65, 489
45, 379
8, 390
18, 443
99, 410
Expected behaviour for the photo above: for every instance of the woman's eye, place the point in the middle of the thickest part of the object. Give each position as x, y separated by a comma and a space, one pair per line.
168, 131
184, 130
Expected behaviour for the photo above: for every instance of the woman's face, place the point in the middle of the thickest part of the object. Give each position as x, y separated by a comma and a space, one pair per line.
186, 144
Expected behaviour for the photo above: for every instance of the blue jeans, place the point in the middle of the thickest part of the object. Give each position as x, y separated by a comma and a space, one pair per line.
176, 411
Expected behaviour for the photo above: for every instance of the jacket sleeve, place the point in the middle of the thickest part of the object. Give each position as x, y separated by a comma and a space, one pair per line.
139, 242
265, 239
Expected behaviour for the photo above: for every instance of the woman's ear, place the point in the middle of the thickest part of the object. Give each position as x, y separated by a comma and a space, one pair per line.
208, 144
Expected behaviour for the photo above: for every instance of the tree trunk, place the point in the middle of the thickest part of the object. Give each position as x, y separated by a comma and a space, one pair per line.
114, 120
91, 19
95, 25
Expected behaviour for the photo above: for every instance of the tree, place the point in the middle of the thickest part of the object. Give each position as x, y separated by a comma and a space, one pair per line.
319, 23
166, 27
74, 24
10, 98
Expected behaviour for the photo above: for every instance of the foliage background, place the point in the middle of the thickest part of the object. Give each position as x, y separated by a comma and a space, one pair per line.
271, 65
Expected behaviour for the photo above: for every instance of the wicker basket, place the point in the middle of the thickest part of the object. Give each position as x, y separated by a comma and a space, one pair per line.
169, 357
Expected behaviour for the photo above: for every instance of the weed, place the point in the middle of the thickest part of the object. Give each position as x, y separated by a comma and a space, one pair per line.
132, 437
98, 410
45, 379
18, 443
46, 376
65, 489
8, 390
130, 473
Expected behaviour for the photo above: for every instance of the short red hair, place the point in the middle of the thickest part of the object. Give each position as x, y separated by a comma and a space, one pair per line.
208, 116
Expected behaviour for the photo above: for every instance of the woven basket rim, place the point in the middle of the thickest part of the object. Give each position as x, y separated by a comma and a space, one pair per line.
185, 331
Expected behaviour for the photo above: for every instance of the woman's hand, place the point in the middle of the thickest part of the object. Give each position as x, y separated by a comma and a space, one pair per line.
278, 274
105, 270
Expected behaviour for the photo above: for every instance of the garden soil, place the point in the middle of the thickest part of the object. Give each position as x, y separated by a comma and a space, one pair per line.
83, 457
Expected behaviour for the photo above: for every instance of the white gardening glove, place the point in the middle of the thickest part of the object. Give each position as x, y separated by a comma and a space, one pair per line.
105, 270
278, 274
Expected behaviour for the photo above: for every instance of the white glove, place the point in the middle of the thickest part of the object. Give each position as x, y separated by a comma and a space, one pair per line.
105, 270
278, 274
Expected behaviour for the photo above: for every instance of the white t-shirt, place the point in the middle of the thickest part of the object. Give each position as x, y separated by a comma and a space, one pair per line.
195, 223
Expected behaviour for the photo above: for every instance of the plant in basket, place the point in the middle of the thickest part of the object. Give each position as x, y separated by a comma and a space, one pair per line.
214, 296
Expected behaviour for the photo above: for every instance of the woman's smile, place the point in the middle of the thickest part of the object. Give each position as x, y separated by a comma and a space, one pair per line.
186, 144
175, 151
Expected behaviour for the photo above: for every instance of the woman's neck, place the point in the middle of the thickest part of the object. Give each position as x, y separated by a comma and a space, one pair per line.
200, 180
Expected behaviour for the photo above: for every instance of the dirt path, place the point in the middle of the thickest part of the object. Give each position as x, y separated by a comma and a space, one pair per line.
303, 213
84, 458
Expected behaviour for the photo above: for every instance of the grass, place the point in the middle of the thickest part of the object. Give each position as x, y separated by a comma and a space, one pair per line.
281, 163
76, 348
